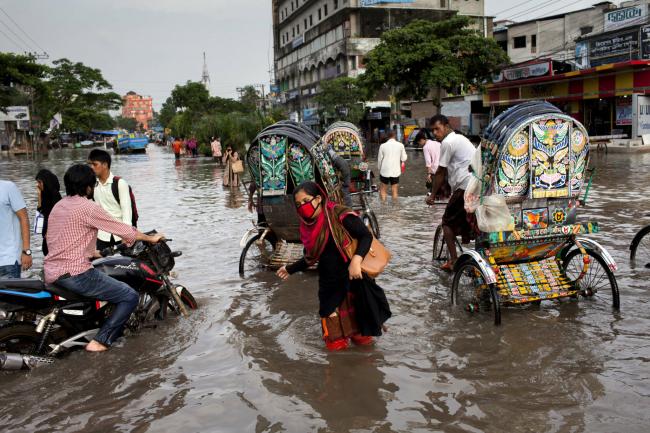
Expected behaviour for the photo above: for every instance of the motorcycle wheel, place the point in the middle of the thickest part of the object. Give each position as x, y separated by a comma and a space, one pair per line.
19, 338
186, 297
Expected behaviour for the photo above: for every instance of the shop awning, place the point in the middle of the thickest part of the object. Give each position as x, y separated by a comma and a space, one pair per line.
604, 81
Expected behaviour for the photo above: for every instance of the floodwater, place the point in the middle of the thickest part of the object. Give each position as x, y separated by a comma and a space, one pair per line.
251, 359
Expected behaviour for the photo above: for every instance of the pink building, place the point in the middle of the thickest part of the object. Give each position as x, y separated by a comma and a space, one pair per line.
138, 107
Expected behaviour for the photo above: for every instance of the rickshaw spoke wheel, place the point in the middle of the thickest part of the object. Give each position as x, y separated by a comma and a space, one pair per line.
598, 283
640, 249
439, 247
470, 292
256, 255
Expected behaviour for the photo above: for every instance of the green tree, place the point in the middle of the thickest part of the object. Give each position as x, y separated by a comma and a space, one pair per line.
128, 123
19, 75
341, 99
249, 97
80, 93
425, 56
192, 96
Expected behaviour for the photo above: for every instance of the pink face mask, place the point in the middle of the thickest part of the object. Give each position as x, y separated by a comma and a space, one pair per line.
307, 210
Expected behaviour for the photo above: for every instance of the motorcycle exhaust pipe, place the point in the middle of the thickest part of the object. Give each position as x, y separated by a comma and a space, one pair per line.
16, 361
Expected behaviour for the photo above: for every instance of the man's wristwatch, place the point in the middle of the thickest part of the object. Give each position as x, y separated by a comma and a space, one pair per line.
27, 252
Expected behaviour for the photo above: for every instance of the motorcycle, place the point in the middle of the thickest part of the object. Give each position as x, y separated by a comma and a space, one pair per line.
39, 321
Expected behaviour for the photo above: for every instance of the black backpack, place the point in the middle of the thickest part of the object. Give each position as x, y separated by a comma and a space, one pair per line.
116, 194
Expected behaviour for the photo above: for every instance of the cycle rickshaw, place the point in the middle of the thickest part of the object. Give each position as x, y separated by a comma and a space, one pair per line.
345, 139
537, 158
281, 157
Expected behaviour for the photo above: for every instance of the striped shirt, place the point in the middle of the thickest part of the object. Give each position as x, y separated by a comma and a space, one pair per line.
72, 235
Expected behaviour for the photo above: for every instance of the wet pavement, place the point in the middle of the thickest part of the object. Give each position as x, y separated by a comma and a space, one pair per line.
251, 359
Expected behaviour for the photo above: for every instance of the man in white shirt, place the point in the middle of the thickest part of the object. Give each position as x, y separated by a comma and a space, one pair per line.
100, 161
389, 160
455, 155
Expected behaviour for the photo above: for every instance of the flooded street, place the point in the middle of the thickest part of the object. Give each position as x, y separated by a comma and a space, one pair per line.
251, 358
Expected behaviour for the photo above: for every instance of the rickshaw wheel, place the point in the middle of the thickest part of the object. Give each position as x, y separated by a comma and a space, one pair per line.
439, 245
370, 220
598, 282
470, 292
640, 248
256, 255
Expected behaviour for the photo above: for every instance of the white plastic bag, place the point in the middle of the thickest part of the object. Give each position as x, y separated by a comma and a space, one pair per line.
473, 190
493, 215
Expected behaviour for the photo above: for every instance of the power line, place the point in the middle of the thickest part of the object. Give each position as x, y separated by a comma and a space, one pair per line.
513, 7
526, 11
29, 48
11, 40
23, 31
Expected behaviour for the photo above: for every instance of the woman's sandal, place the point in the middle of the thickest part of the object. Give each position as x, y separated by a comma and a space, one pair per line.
447, 267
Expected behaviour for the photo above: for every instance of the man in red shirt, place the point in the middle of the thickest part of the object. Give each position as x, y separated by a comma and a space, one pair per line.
71, 237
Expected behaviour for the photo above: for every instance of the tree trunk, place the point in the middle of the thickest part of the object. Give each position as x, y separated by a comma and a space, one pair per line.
437, 100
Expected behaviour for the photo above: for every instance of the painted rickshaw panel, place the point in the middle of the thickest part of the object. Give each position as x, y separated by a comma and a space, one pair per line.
536, 157
281, 157
345, 139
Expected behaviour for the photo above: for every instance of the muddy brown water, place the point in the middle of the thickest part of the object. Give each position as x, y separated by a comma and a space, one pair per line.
251, 359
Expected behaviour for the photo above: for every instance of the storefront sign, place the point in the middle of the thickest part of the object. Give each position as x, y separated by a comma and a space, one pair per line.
582, 55
14, 114
643, 114
623, 112
644, 39
614, 48
309, 114
298, 41
526, 71
376, 2
625, 17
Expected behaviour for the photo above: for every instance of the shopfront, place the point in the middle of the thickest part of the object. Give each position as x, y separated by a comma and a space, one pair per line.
608, 99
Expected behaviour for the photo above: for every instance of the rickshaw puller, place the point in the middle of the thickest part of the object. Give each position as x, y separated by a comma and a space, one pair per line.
456, 153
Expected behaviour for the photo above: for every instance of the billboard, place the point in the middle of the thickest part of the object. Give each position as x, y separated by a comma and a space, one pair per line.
532, 70
376, 2
618, 47
644, 41
625, 17
14, 114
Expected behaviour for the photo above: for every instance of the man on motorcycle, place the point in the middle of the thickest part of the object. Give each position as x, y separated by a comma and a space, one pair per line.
71, 237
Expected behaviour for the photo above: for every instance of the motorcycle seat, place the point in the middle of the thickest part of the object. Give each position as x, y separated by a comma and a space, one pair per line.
19, 283
69, 295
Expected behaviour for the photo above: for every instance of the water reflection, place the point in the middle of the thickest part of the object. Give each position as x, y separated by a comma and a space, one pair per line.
251, 359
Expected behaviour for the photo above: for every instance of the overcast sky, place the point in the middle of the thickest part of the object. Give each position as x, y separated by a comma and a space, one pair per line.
150, 45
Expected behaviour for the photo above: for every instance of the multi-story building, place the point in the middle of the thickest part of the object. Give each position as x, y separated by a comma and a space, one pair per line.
138, 107
552, 36
317, 40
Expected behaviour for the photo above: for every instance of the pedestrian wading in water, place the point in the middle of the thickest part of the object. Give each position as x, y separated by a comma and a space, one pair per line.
351, 305
48, 187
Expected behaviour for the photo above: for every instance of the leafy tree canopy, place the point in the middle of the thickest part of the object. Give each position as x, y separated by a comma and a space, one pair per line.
19, 72
426, 55
341, 99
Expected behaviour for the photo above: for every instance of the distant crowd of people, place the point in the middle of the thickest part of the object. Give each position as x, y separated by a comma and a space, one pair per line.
233, 167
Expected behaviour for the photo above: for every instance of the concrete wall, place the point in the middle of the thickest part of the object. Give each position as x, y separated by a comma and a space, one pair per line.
555, 37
